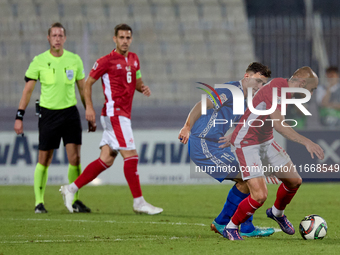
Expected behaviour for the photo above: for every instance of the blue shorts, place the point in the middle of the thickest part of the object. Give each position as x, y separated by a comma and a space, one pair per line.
219, 163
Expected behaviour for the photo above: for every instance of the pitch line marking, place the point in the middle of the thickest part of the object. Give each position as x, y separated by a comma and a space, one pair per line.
95, 240
122, 222
113, 221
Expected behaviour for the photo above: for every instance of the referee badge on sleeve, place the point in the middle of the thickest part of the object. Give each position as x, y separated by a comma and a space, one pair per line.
69, 74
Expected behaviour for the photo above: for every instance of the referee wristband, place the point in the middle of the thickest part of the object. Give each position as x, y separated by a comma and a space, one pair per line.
20, 114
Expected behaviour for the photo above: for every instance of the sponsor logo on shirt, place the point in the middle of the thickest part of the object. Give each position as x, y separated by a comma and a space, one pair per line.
119, 66
128, 68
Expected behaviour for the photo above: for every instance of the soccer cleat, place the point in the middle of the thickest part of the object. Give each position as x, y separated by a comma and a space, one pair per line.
68, 197
217, 228
79, 207
259, 232
232, 234
147, 209
283, 222
40, 208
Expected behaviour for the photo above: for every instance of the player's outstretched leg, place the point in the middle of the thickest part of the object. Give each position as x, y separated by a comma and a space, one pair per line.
283, 197
283, 222
89, 174
244, 210
235, 196
131, 175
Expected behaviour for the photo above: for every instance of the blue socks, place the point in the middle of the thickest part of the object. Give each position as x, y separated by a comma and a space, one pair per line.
247, 227
234, 198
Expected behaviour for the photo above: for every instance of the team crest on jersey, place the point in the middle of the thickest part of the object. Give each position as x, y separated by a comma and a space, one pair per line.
223, 98
135, 64
95, 66
128, 68
69, 74
119, 66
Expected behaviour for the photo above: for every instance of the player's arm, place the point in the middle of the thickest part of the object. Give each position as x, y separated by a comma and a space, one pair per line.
90, 113
25, 99
142, 88
292, 135
81, 85
193, 116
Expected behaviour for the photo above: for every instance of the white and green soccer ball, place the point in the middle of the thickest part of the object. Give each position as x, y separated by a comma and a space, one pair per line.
313, 227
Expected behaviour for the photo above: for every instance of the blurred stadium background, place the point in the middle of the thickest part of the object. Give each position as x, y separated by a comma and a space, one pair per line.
178, 42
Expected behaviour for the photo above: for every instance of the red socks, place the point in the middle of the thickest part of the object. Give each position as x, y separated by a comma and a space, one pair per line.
283, 196
248, 205
90, 172
131, 175
245, 210
98, 166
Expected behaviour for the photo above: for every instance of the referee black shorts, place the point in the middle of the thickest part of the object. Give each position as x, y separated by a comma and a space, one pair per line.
57, 124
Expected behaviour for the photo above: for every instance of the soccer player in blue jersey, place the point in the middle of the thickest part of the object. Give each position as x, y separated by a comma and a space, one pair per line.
208, 145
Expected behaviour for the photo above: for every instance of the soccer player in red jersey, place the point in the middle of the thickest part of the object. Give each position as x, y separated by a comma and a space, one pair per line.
121, 76
256, 144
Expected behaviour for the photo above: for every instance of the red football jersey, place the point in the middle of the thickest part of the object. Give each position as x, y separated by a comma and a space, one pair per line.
245, 135
118, 75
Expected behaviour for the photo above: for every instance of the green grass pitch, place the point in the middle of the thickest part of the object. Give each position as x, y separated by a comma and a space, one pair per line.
183, 227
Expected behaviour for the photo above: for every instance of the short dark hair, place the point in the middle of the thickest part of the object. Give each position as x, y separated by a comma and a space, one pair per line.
122, 26
56, 24
257, 67
332, 69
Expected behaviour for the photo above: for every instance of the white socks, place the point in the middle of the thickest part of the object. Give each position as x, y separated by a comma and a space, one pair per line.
277, 212
72, 188
231, 225
138, 201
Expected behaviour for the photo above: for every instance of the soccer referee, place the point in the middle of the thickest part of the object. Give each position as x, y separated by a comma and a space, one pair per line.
57, 70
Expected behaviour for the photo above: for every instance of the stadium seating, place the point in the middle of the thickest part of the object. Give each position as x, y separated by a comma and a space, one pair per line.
178, 41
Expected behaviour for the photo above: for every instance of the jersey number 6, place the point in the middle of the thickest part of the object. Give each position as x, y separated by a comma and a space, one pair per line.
128, 77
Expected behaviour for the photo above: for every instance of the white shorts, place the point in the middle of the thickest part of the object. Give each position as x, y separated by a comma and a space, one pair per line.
117, 133
255, 160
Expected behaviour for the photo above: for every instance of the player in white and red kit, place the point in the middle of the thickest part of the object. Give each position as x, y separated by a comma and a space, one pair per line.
256, 145
121, 76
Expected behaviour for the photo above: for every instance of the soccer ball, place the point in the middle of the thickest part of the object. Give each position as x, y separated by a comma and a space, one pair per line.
313, 227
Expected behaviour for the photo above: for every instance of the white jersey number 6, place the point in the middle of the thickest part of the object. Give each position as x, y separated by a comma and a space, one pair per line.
128, 77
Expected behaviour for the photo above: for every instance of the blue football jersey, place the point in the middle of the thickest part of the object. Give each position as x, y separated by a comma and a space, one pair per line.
213, 125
